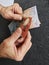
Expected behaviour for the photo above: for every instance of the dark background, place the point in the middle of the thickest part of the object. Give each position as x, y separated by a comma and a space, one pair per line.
39, 52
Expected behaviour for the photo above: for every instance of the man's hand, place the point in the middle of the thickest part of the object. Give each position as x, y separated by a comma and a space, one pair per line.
9, 49
11, 12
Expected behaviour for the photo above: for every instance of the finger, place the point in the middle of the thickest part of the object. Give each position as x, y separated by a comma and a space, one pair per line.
17, 8
24, 51
17, 17
26, 46
15, 35
14, 16
19, 41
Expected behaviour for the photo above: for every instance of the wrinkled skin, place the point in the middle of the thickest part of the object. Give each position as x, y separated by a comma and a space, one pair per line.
9, 49
11, 12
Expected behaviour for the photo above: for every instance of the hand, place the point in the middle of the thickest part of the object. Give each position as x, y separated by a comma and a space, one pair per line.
9, 49
12, 12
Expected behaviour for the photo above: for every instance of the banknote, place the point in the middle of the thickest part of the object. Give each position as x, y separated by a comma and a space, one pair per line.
30, 12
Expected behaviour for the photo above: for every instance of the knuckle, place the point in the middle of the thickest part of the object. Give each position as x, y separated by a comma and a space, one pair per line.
21, 8
16, 4
5, 41
30, 36
6, 16
19, 58
31, 43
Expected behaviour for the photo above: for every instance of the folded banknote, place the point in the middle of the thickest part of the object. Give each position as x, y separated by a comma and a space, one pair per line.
30, 12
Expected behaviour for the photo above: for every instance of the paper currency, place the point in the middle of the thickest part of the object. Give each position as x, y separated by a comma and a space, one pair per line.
30, 12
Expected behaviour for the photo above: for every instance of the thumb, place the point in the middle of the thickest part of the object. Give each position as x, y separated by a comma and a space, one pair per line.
15, 35
15, 16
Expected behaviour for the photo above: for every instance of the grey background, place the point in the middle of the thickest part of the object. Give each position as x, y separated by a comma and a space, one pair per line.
39, 52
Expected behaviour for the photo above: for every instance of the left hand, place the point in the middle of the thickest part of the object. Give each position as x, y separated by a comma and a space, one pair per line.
9, 49
12, 12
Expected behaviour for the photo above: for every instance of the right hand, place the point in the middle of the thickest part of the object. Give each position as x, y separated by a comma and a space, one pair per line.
12, 12
9, 49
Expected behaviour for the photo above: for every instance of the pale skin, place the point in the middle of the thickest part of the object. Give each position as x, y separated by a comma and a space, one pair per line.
8, 48
12, 12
